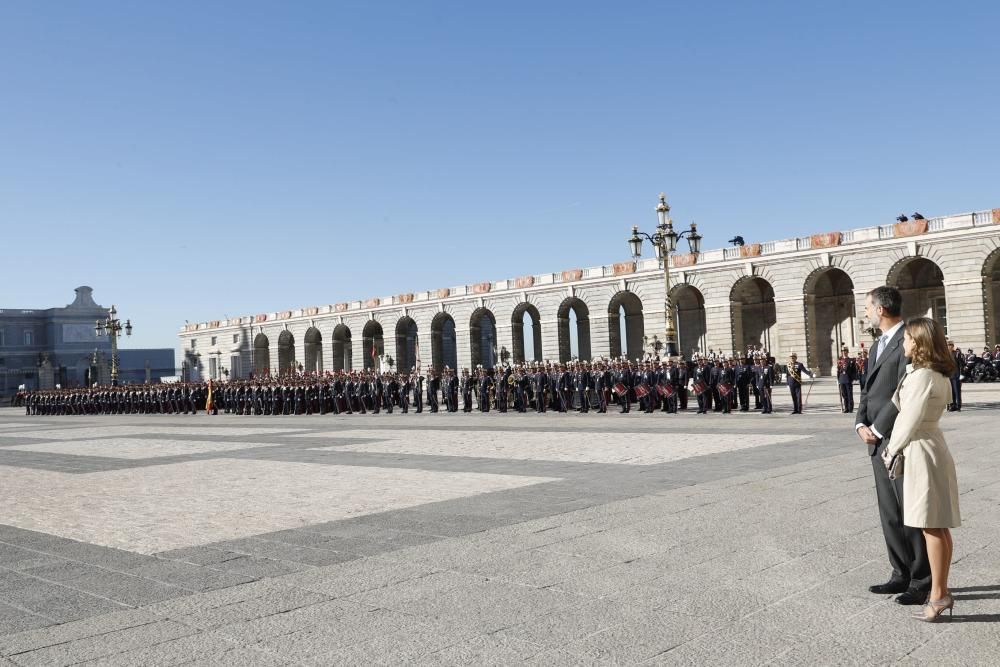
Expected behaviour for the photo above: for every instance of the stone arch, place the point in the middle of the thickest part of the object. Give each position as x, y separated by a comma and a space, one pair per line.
342, 349
373, 338
312, 345
921, 283
690, 319
830, 316
444, 342
991, 296
406, 344
483, 337
261, 355
626, 326
286, 352
526, 326
754, 316
570, 310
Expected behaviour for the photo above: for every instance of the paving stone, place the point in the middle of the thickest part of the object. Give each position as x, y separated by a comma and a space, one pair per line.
92, 648
751, 556
187, 576
95, 626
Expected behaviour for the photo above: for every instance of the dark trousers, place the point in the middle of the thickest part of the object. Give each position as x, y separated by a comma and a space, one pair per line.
956, 394
906, 546
743, 392
847, 394
765, 401
796, 390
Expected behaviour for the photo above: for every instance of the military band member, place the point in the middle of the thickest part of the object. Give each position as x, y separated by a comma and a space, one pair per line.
847, 373
764, 376
793, 377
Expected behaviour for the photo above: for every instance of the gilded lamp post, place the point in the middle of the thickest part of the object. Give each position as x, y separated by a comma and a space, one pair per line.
664, 242
112, 328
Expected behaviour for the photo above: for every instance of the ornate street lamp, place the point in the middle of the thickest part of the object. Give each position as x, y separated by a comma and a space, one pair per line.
664, 242
112, 328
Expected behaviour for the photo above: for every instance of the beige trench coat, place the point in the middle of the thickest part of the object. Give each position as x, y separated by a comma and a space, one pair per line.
930, 486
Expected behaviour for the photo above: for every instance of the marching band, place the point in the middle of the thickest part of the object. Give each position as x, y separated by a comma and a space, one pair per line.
717, 384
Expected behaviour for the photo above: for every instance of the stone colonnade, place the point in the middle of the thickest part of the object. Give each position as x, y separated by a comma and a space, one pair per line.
810, 302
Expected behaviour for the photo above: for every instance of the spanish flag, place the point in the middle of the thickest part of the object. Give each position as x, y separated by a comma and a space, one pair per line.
208, 401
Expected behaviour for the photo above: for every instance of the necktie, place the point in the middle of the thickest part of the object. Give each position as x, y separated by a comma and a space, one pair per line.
882, 341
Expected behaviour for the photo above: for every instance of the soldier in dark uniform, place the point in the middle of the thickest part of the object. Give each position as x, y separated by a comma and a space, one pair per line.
744, 380
465, 387
727, 386
764, 376
702, 373
541, 389
433, 387
485, 385
418, 392
847, 373
452, 385
956, 378
793, 377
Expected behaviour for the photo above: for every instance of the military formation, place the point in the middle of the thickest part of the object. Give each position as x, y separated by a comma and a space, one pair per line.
711, 383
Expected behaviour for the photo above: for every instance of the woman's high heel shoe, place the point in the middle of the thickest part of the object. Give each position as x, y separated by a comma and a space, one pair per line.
933, 611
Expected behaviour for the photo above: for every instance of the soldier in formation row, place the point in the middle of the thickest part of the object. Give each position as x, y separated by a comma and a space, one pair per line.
715, 382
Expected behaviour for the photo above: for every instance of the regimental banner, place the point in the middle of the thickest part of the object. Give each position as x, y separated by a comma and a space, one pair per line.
751, 250
826, 240
909, 228
572, 275
620, 268
688, 259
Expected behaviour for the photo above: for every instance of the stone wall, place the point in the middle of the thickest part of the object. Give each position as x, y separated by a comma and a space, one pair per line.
946, 270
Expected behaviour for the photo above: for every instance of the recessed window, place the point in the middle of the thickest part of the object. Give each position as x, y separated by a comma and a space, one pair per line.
214, 340
29, 337
194, 343
236, 338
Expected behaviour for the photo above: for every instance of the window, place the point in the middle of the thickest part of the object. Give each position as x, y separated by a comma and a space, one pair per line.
236, 338
235, 371
194, 343
29, 337
939, 311
214, 340
3, 338
213, 369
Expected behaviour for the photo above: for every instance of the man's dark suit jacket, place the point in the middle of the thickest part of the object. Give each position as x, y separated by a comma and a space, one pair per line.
884, 373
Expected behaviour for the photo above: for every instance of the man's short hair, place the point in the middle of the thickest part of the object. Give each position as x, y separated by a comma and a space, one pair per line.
889, 298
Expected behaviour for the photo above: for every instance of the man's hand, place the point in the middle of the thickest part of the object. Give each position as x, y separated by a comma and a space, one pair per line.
867, 436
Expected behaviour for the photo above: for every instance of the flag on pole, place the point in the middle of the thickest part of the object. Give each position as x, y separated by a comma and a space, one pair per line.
416, 343
208, 400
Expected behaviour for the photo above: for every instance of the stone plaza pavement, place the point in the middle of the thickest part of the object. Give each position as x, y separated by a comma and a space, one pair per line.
475, 539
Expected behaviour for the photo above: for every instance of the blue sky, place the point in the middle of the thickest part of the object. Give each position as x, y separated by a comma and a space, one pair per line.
198, 160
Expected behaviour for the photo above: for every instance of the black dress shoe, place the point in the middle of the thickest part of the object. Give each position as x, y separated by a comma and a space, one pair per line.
912, 596
890, 587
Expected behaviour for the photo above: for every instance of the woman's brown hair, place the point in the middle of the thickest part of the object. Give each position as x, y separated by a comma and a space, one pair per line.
930, 347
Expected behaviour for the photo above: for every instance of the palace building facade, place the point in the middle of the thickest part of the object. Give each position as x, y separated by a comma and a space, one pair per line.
803, 295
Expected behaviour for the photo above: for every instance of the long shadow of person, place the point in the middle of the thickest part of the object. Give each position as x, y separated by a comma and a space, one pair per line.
976, 593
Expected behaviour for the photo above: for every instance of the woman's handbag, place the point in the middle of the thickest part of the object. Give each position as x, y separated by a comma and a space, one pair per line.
893, 464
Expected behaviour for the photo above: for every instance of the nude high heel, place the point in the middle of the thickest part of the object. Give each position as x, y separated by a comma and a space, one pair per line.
933, 611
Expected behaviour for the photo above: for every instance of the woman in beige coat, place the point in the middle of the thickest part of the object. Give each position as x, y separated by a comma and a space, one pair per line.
930, 486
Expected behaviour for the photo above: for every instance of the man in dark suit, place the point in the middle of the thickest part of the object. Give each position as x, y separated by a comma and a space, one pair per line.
911, 572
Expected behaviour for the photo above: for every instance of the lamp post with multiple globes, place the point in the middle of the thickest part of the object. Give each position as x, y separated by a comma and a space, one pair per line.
664, 241
112, 328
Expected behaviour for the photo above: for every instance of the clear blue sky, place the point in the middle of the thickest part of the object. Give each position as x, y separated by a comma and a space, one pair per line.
193, 160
